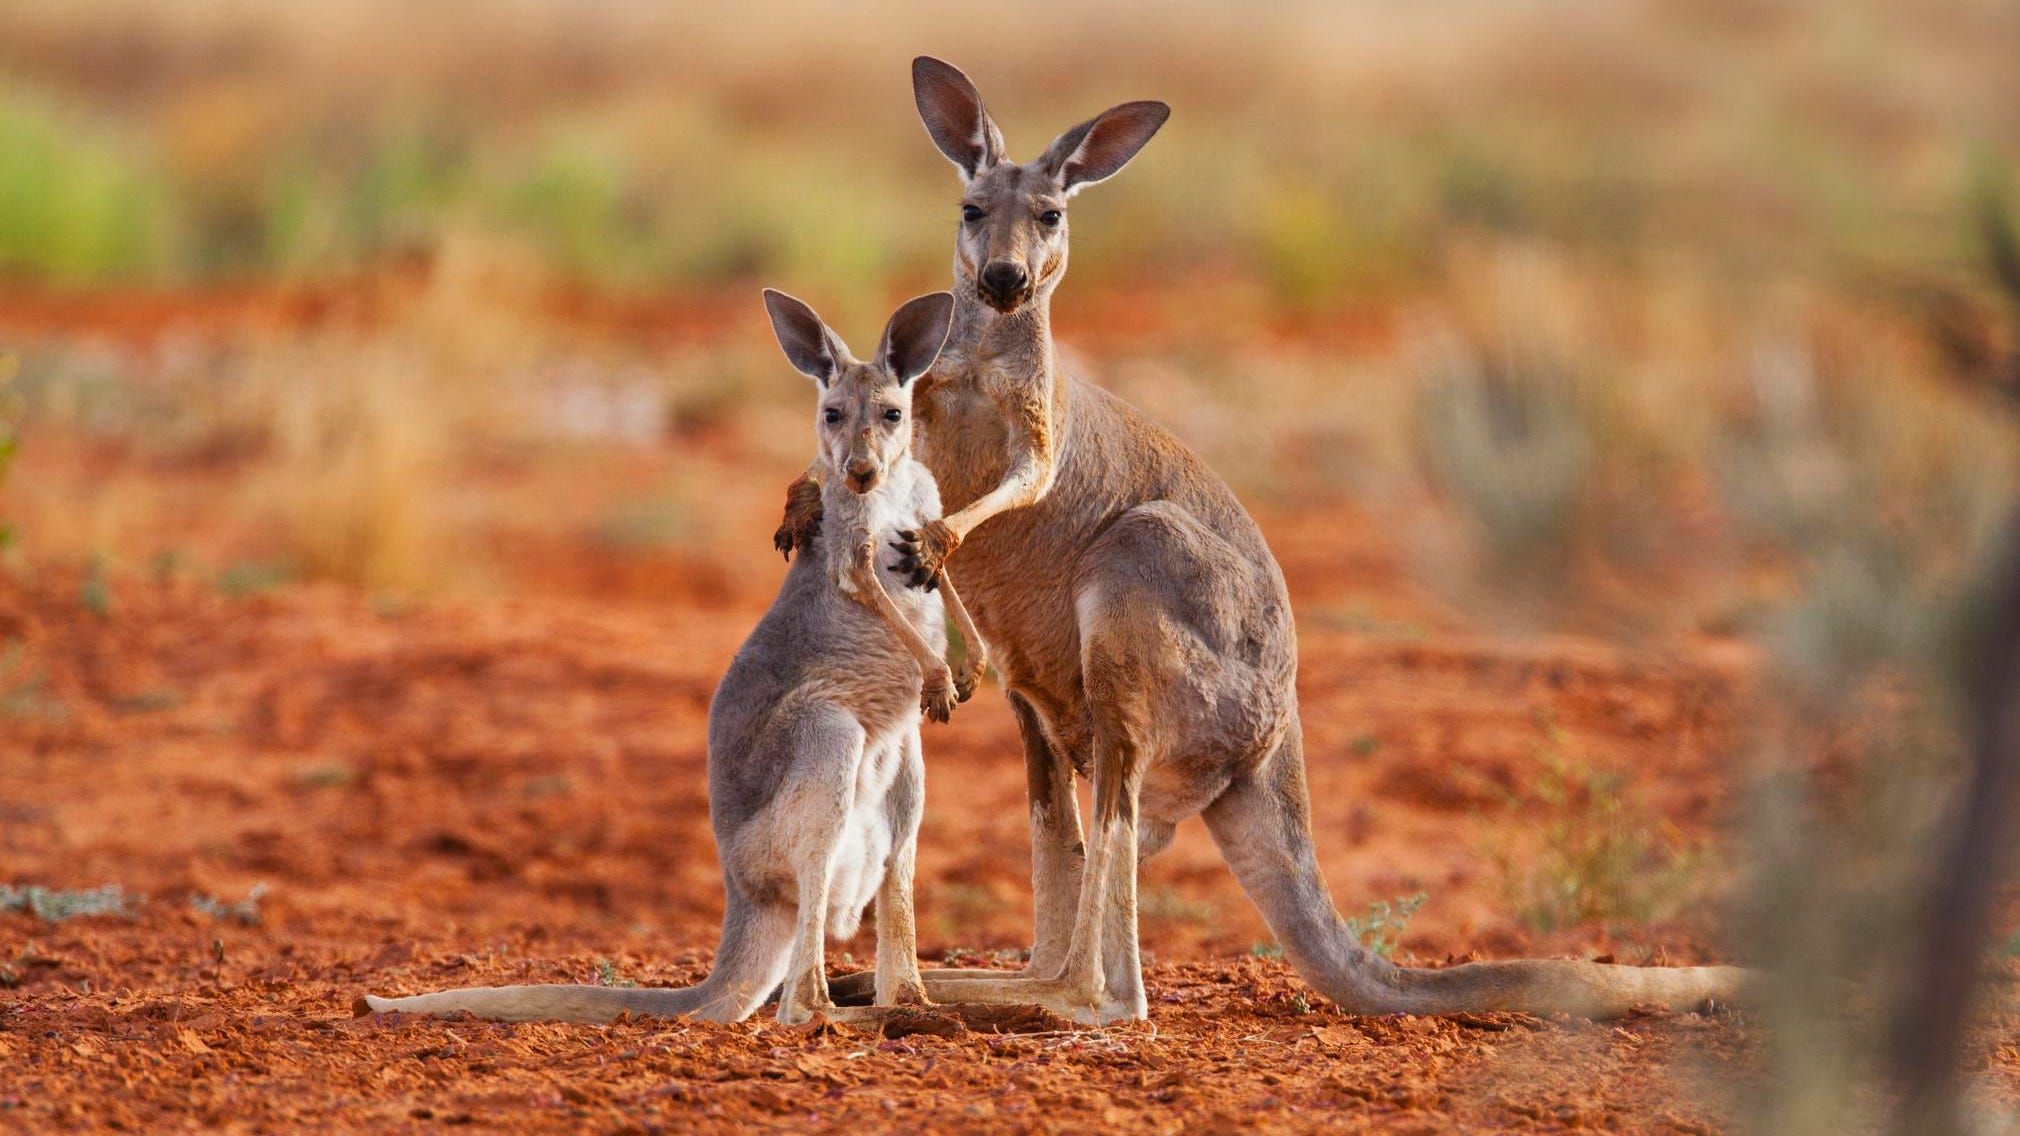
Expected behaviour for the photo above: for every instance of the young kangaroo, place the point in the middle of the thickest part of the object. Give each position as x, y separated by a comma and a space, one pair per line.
1141, 625
814, 769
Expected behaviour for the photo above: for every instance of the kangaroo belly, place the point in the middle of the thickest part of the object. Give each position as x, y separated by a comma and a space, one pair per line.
867, 836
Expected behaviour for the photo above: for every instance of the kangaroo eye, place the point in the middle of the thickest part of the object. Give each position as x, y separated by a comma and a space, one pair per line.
832, 416
894, 415
1050, 218
971, 213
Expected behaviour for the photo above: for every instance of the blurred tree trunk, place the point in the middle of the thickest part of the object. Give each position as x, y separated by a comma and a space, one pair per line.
1937, 1010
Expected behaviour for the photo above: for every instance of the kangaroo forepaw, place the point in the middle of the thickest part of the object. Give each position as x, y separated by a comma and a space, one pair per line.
966, 680
936, 699
923, 553
802, 521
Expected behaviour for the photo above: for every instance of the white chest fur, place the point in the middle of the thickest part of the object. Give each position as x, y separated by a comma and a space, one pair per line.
904, 500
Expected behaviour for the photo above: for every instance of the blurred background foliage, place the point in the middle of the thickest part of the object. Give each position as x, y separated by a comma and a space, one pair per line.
1323, 151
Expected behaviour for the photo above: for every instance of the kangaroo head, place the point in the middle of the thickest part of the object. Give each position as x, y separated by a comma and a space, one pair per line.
1012, 243
864, 423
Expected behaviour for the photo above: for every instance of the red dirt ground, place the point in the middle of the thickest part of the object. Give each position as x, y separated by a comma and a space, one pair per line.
514, 791
456, 792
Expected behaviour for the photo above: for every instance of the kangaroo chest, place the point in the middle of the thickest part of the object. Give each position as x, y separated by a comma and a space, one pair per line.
962, 437
1017, 570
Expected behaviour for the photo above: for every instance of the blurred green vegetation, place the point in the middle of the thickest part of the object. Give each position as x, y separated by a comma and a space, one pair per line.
77, 204
1828, 141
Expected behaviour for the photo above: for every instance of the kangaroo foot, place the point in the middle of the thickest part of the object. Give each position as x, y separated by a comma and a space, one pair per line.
949, 1020
1070, 1000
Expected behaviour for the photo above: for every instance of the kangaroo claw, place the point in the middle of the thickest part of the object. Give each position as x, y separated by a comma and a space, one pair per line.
936, 700
802, 522
925, 553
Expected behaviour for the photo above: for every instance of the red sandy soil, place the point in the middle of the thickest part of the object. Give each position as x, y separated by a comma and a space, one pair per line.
472, 791
513, 791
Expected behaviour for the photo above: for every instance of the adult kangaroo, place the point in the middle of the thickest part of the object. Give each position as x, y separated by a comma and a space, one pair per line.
1139, 623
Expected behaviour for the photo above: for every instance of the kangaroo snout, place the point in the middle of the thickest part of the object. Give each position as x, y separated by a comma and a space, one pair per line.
1004, 284
863, 475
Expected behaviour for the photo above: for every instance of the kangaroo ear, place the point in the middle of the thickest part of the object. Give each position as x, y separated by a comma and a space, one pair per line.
1097, 149
813, 350
954, 116
913, 338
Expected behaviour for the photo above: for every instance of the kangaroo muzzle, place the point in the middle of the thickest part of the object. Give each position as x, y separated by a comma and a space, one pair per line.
863, 475
1004, 284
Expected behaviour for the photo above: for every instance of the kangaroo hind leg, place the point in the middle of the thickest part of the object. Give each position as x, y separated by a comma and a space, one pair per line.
1100, 978
898, 982
812, 807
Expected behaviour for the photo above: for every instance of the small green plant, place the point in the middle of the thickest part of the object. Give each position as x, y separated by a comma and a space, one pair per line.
646, 525
245, 911
550, 785
329, 775
1381, 928
254, 577
606, 975
95, 594
1267, 950
1000, 958
1168, 903
148, 701
24, 691
1605, 857
166, 565
11, 404
12, 970
76, 204
1505, 437
964, 905
57, 906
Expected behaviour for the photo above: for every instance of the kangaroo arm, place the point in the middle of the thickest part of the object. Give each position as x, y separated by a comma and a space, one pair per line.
802, 520
975, 654
938, 691
868, 588
1034, 461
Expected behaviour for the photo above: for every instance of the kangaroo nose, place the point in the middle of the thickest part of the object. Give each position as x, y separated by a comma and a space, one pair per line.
1004, 279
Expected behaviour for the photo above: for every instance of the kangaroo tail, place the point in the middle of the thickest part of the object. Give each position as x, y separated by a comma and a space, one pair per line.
1262, 824
749, 963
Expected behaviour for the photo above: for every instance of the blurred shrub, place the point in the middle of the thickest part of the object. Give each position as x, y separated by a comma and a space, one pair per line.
78, 203
318, 137
1509, 444
1602, 857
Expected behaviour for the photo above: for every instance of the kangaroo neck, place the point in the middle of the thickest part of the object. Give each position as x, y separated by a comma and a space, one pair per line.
1016, 344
